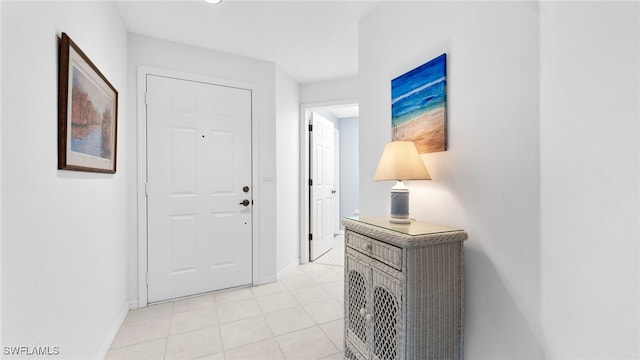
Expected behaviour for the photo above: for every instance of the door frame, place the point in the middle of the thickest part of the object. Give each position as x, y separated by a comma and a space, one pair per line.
305, 111
141, 118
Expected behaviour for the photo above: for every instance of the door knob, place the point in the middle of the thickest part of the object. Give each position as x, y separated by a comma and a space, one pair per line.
245, 202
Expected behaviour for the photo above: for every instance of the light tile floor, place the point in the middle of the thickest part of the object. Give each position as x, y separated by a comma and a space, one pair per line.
299, 317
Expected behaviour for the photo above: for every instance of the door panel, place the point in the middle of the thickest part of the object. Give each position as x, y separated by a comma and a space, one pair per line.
182, 237
182, 162
322, 193
199, 159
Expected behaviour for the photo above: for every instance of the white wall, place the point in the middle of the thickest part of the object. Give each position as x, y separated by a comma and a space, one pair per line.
328, 115
487, 181
589, 136
349, 175
288, 171
262, 76
329, 91
63, 232
542, 166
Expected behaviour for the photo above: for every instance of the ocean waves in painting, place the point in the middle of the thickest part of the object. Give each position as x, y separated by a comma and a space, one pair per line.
427, 98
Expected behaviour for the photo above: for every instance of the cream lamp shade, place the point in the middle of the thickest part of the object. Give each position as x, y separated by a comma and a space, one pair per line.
400, 161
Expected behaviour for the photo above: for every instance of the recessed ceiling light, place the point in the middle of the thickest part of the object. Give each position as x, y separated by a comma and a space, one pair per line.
213, 1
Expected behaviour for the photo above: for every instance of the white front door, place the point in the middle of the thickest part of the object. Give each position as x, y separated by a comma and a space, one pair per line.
199, 173
322, 188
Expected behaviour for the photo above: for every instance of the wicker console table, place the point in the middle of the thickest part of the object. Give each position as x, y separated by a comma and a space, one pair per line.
403, 290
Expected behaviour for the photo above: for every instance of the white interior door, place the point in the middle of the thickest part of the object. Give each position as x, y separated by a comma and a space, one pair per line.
199, 173
322, 189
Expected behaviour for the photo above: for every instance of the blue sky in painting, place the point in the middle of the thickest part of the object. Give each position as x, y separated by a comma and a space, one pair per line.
419, 90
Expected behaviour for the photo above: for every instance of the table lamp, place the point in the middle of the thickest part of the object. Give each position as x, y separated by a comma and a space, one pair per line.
400, 161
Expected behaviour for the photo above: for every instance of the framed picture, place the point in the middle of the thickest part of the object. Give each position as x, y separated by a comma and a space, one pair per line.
419, 106
87, 113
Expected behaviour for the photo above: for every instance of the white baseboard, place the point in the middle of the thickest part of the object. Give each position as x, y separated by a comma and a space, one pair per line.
266, 280
133, 304
294, 264
279, 275
102, 352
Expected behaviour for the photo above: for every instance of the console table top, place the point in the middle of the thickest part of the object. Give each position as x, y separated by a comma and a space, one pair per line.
408, 233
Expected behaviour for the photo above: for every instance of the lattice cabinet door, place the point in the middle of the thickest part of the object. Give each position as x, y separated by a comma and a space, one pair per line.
373, 316
388, 324
357, 285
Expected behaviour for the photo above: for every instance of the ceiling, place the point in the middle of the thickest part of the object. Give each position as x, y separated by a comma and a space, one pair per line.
310, 40
345, 111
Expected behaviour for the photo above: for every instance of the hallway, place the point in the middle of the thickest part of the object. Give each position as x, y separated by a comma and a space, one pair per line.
298, 317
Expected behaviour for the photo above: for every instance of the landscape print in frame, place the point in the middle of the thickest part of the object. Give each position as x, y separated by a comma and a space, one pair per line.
419, 106
87, 113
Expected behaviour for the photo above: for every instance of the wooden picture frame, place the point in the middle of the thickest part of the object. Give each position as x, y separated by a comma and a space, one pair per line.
87, 113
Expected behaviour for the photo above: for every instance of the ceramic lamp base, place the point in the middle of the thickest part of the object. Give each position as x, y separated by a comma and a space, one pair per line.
399, 204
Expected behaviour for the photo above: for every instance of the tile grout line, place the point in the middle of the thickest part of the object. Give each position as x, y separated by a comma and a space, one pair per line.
166, 343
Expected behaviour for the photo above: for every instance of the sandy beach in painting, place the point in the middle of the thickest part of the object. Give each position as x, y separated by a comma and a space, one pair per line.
427, 131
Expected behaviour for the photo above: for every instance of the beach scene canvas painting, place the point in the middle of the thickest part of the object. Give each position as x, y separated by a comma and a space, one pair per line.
419, 106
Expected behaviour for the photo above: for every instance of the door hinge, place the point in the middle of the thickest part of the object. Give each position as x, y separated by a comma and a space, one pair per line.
310, 182
146, 189
146, 98
310, 237
310, 127
147, 278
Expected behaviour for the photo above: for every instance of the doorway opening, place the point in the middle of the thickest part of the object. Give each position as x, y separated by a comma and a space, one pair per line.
329, 174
